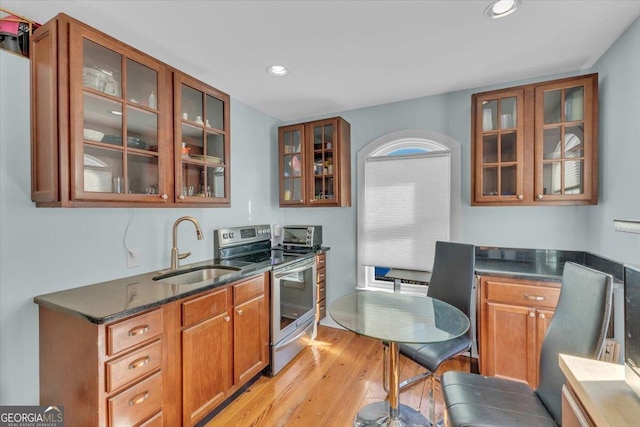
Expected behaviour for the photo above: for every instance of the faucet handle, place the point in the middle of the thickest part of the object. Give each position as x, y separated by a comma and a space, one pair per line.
184, 255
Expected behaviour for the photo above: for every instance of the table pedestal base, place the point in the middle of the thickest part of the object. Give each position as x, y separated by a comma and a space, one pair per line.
377, 414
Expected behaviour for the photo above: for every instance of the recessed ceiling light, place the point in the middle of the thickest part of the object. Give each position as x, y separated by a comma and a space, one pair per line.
501, 8
116, 113
277, 70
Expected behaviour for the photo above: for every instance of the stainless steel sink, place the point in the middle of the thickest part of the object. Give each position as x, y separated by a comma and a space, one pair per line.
197, 275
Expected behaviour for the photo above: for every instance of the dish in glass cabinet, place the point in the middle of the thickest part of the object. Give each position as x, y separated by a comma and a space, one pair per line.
210, 159
132, 141
92, 135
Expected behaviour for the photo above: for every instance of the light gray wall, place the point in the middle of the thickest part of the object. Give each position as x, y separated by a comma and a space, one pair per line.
44, 250
619, 71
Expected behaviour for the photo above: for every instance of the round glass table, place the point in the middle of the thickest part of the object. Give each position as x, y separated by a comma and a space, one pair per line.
396, 318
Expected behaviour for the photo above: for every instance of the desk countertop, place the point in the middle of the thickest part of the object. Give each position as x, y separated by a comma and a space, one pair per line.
601, 388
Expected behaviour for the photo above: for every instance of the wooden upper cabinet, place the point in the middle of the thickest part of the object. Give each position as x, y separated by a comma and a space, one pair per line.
104, 131
536, 144
315, 163
201, 142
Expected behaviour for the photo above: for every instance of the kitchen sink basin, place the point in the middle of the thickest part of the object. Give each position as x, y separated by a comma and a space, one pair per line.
197, 275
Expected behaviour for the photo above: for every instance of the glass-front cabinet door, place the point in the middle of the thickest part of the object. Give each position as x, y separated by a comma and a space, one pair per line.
118, 116
564, 152
292, 172
323, 136
201, 143
498, 155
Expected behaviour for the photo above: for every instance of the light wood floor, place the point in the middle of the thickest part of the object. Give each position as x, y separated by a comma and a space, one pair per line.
326, 385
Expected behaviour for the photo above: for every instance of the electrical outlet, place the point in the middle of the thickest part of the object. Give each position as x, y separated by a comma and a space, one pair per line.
133, 257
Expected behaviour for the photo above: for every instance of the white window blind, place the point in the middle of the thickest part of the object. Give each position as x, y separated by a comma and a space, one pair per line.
406, 210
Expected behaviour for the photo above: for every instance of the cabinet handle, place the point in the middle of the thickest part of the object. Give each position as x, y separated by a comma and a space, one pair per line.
532, 314
534, 297
139, 363
539, 196
164, 197
239, 312
227, 318
541, 315
138, 330
321, 261
520, 197
181, 197
139, 398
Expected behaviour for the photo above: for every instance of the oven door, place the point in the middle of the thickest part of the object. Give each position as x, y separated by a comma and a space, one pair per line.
293, 299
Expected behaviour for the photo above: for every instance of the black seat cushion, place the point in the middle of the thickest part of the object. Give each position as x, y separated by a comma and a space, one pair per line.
431, 356
476, 400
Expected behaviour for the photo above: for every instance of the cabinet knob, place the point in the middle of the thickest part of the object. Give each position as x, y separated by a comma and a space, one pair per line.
532, 314
227, 318
520, 197
164, 197
239, 312
539, 196
541, 315
181, 197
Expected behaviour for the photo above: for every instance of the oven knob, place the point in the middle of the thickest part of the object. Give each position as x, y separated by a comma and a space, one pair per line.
225, 235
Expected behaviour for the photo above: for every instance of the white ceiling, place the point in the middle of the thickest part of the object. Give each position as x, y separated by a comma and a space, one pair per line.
344, 55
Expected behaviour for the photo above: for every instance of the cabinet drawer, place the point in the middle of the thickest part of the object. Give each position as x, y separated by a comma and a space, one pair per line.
136, 403
134, 365
248, 290
527, 295
155, 421
321, 275
321, 291
129, 333
321, 260
321, 310
204, 307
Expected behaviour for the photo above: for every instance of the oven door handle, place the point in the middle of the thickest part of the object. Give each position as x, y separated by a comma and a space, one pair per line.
303, 267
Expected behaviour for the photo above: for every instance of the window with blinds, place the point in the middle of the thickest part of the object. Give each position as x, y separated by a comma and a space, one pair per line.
404, 207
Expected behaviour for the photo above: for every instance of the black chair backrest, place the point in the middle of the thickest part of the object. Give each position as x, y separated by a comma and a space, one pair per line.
578, 328
453, 274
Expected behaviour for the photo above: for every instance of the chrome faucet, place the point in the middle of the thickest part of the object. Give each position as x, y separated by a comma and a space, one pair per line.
175, 255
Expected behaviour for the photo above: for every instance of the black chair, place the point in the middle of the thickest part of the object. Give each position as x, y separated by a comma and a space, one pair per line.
451, 281
578, 328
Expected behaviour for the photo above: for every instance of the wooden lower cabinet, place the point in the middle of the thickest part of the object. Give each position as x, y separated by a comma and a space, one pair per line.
225, 343
514, 317
100, 379
169, 366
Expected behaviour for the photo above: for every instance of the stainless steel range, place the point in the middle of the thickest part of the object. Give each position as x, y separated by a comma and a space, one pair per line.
293, 294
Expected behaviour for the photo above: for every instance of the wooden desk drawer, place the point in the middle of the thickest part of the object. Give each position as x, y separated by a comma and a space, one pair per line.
204, 307
129, 333
321, 260
523, 295
126, 369
248, 290
136, 403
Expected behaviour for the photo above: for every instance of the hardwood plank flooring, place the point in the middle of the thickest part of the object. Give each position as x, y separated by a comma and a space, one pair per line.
326, 384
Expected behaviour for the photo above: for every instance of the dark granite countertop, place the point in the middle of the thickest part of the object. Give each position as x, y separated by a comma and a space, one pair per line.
115, 299
539, 264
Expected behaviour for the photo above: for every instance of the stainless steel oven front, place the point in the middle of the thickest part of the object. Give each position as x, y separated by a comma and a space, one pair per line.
293, 307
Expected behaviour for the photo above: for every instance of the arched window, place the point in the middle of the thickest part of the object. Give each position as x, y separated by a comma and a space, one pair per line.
408, 194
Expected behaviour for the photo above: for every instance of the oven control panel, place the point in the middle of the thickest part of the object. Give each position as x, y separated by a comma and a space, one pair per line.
233, 236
